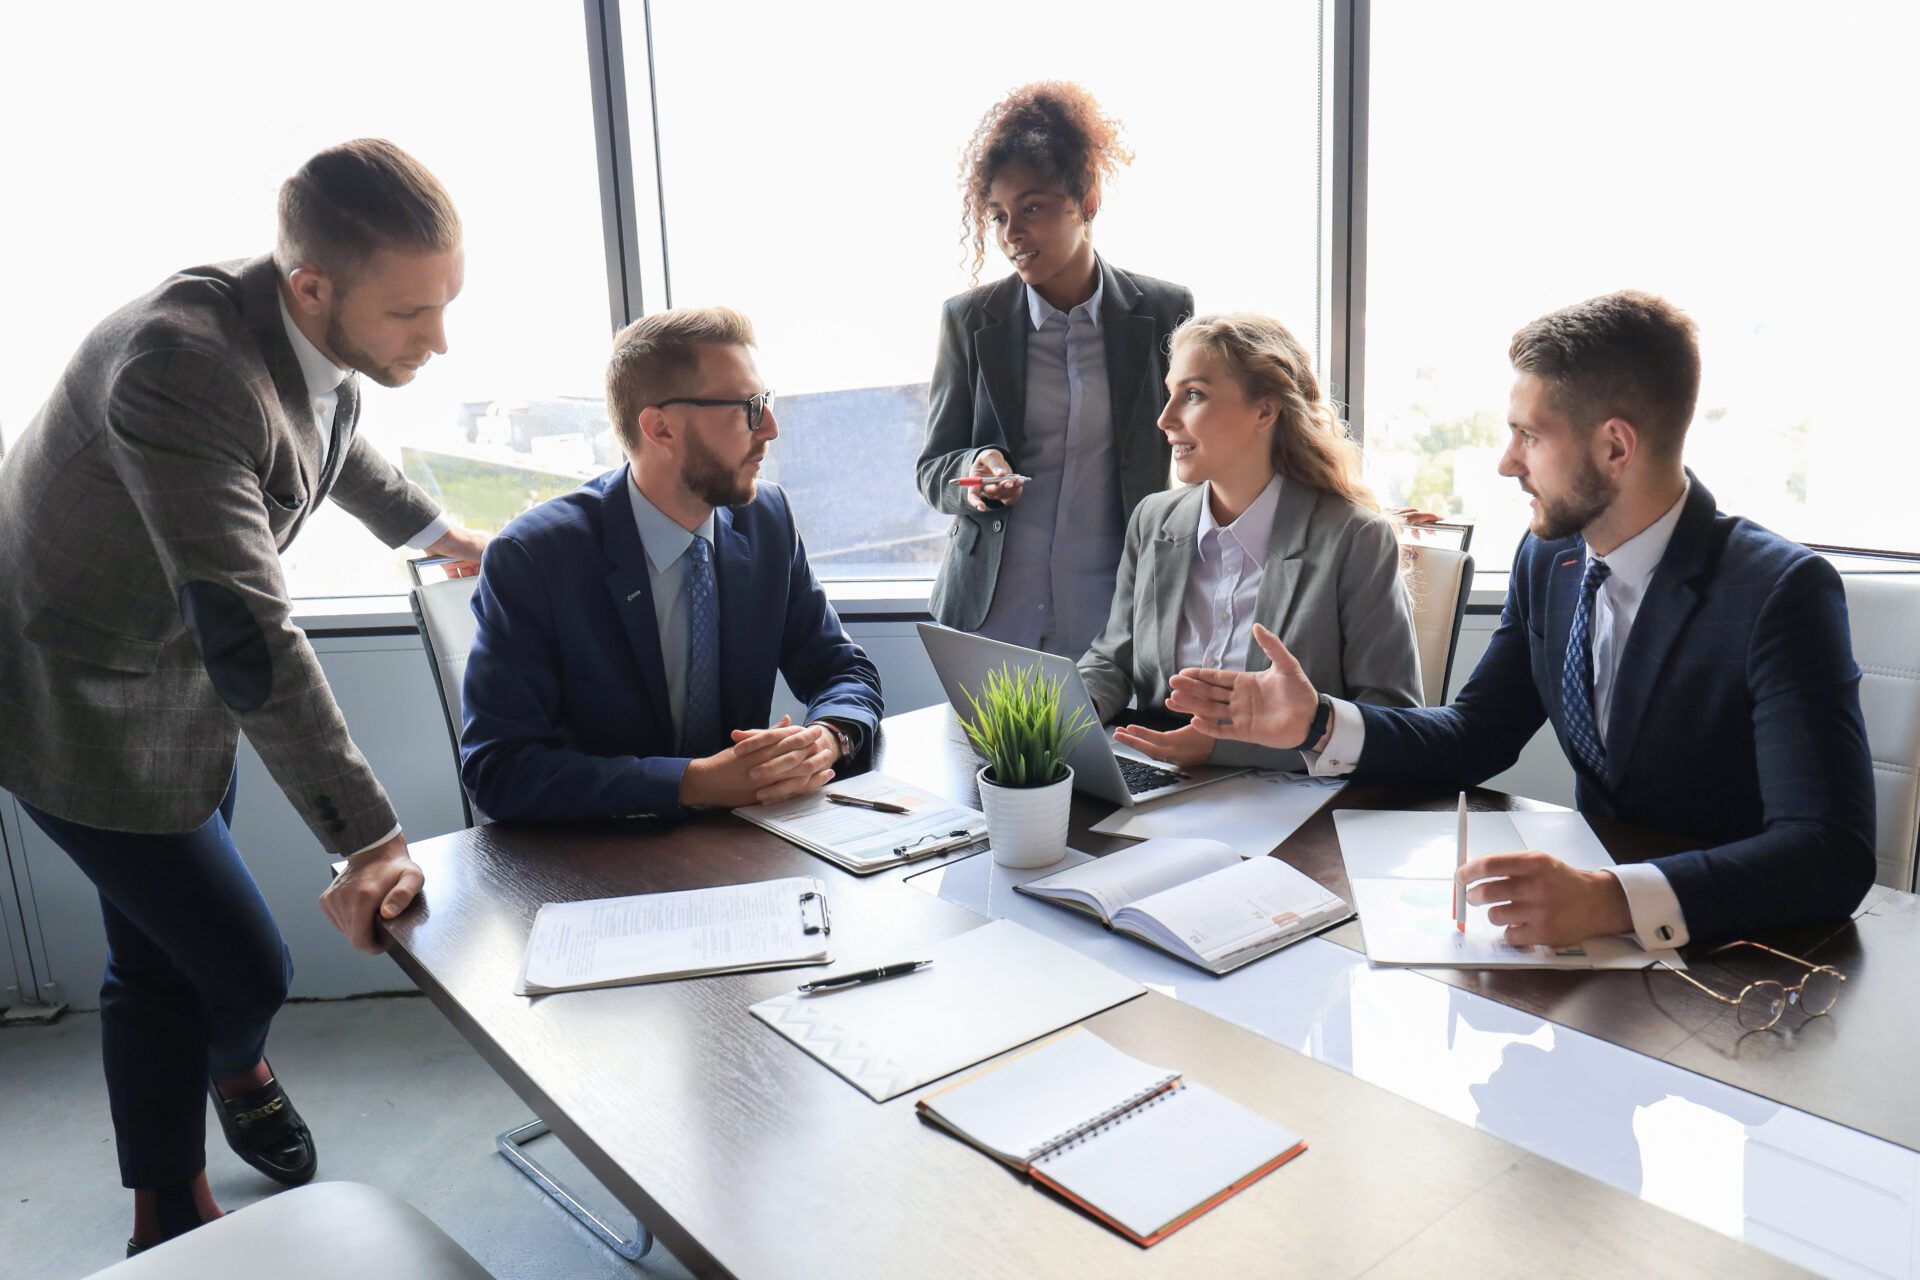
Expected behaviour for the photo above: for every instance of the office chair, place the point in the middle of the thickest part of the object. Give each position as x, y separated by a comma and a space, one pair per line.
443, 610
1439, 578
1883, 613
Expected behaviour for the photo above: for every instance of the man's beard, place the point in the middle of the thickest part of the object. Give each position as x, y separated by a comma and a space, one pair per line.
355, 357
1564, 517
713, 481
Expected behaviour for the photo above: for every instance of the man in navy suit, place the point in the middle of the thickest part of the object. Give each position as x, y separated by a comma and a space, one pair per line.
630, 630
1696, 667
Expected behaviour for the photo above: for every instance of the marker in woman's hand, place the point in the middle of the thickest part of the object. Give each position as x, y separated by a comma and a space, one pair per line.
975, 482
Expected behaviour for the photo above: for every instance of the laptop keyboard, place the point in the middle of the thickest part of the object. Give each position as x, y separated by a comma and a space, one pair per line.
1141, 778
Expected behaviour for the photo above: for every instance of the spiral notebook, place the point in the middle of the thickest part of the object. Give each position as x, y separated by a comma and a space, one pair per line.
1131, 1143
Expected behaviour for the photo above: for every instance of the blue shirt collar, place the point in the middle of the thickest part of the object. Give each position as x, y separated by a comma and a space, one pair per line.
1042, 311
660, 534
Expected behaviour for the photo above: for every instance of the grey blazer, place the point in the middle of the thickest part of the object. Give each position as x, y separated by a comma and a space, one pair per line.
144, 621
978, 400
1330, 589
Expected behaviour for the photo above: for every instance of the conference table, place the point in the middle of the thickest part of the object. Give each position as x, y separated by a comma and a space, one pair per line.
1457, 1123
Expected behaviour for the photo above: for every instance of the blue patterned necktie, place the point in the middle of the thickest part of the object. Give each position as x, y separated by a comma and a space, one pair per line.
1576, 675
700, 734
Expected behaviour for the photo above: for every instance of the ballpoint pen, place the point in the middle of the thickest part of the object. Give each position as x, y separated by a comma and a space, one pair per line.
1459, 861
975, 482
861, 802
880, 974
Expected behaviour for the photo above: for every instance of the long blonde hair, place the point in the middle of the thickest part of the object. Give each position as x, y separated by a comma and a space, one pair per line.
1310, 443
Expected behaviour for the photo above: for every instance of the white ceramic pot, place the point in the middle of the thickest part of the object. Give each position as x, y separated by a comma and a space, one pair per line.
1027, 826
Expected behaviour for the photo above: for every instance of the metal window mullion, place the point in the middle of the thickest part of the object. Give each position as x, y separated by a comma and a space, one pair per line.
1346, 360
606, 72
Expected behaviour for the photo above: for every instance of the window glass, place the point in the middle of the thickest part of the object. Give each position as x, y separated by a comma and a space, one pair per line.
163, 134
1751, 163
810, 159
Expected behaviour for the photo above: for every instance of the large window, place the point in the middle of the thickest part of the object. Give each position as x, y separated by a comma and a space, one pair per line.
1752, 163
809, 161
145, 138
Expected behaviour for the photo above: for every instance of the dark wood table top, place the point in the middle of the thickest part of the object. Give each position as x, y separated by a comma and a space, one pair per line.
747, 1158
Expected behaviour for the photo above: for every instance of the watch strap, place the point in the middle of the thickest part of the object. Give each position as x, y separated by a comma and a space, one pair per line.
1322, 717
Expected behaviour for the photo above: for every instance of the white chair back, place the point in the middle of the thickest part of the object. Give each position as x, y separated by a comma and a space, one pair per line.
1439, 579
443, 611
1883, 611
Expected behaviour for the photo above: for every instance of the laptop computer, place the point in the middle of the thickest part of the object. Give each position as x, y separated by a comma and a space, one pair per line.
1101, 767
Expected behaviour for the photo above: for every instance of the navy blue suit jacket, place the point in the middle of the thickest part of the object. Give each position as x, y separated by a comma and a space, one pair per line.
566, 712
1735, 720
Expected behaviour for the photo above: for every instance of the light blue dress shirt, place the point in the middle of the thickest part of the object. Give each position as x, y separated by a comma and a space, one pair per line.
666, 543
1063, 544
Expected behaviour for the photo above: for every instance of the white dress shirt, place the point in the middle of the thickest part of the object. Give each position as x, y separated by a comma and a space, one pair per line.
1216, 613
323, 378
1064, 539
1657, 918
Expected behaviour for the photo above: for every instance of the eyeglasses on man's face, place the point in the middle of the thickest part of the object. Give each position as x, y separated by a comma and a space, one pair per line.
1760, 1005
756, 406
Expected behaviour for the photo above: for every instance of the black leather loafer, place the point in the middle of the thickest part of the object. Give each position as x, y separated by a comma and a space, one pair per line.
264, 1130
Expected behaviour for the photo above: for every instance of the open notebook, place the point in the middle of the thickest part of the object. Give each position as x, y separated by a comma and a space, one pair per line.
1196, 900
1129, 1142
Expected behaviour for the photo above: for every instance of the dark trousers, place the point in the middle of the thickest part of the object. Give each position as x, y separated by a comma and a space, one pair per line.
196, 969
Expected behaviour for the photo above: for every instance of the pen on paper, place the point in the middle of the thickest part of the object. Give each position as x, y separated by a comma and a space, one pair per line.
861, 802
879, 974
1459, 861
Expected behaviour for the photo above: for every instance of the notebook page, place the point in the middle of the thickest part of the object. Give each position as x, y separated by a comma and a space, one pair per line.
1227, 911
1167, 1158
1145, 869
575, 944
1029, 1101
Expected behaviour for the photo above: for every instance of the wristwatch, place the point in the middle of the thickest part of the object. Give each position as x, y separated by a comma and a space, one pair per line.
1322, 717
840, 737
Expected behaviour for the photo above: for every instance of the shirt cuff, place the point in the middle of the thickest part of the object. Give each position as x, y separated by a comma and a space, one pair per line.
377, 843
436, 529
1658, 922
1343, 744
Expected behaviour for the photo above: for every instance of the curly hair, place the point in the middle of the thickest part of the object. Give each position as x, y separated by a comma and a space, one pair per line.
1310, 443
1054, 126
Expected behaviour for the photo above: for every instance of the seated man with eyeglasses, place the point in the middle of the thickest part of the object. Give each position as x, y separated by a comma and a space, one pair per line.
1696, 667
630, 631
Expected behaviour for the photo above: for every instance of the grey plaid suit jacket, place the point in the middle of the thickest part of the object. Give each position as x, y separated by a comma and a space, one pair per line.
144, 621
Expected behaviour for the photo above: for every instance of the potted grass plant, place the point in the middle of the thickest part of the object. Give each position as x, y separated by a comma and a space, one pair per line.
1026, 786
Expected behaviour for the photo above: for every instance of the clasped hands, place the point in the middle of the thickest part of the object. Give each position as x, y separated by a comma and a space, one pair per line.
1540, 900
763, 766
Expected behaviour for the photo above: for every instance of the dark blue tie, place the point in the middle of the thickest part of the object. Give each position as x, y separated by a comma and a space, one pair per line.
1576, 675
700, 736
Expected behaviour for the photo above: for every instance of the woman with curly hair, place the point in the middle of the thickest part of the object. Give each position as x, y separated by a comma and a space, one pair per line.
1277, 529
1047, 383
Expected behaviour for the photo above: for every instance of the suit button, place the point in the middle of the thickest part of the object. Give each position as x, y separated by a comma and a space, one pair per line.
997, 526
953, 528
323, 801
337, 826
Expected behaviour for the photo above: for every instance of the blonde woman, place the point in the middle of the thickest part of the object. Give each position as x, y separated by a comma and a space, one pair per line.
1274, 527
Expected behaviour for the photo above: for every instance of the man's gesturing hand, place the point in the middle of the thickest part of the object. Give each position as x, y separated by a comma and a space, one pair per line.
1273, 708
381, 882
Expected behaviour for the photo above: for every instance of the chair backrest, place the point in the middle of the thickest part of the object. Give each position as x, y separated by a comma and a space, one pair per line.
1883, 611
1439, 579
443, 611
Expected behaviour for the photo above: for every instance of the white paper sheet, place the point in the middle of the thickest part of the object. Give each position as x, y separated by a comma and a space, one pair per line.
1252, 814
608, 941
987, 991
865, 839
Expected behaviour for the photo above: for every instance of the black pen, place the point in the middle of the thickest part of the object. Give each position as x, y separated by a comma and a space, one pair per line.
861, 802
865, 975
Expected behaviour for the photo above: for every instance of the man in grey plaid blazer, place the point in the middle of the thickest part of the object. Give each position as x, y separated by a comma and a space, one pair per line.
145, 623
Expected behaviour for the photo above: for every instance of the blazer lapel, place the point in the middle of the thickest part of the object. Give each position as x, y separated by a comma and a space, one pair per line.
1280, 574
1000, 346
733, 570
631, 588
1672, 596
260, 303
1128, 339
1170, 563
